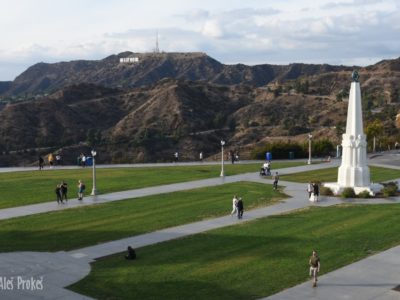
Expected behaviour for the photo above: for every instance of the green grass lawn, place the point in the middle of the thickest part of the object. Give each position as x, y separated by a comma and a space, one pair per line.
378, 174
246, 261
22, 188
89, 225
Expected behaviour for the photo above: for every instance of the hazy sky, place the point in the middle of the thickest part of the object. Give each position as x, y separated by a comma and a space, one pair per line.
346, 32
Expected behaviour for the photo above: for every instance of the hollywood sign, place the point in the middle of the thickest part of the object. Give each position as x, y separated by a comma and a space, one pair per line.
128, 60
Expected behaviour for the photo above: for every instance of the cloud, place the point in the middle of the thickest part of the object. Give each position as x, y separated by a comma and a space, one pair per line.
282, 32
212, 28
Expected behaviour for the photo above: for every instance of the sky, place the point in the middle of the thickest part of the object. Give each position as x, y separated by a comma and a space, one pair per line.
348, 32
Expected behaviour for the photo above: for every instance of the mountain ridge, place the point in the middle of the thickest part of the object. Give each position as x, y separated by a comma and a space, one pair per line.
45, 78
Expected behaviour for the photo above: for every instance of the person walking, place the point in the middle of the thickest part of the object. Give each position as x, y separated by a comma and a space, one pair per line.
268, 168
232, 156
41, 162
83, 160
276, 180
316, 191
176, 156
310, 189
81, 189
50, 159
315, 265
240, 208
234, 205
201, 156
58, 193
64, 191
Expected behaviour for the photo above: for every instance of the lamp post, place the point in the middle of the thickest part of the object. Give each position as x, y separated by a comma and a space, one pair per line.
309, 148
222, 158
94, 191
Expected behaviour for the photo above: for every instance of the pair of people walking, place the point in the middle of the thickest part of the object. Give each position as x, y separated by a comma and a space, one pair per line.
62, 192
237, 207
313, 191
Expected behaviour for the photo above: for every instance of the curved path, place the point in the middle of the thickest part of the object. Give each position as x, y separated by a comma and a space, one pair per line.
60, 269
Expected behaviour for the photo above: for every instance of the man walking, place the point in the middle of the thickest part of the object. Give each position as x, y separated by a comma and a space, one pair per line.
240, 208
64, 191
276, 180
316, 191
315, 265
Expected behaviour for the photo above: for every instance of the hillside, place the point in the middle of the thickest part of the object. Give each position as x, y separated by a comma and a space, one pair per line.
44, 78
145, 115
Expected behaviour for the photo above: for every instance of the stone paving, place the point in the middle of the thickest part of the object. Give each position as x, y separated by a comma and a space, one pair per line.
61, 269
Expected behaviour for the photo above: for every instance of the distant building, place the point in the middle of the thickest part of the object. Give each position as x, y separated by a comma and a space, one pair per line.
128, 60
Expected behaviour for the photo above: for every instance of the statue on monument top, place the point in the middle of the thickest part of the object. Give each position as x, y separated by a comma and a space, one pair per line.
355, 76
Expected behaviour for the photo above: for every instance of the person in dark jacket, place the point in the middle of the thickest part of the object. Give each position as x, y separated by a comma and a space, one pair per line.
64, 191
58, 193
131, 253
240, 208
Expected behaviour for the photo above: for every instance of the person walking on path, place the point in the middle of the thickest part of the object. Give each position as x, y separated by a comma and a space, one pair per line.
240, 208
83, 160
234, 205
315, 265
81, 189
41, 162
232, 156
276, 180
268, 168
316, 191
64, 191
310, 189
58, 193
176, 156
201, 156
50, 158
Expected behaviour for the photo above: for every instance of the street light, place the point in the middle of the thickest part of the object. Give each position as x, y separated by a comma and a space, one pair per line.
222, 158
94, 191
309, 148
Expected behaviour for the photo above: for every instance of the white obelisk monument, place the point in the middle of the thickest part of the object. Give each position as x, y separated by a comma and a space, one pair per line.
354, 172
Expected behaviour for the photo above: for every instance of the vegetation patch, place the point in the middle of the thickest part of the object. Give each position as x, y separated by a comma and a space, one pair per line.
22, 188
90, 225
247, 261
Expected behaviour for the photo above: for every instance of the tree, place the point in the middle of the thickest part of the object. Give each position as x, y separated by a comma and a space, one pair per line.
373, 130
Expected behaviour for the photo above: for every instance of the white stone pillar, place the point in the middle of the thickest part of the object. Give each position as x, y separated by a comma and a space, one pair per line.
354, 171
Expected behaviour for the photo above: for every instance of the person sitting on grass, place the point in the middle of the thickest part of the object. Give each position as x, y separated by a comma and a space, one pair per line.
131, 253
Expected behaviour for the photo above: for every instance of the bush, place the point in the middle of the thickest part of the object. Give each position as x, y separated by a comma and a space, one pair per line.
364, 194
390, 189
325, 191
348, 193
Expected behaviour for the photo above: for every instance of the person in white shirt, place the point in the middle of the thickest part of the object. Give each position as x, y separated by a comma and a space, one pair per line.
234, 205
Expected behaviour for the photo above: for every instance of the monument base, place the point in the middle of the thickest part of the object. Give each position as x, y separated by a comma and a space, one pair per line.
337, 189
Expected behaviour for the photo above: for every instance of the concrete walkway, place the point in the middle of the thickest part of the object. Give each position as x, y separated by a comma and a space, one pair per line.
61, 269
369, 279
